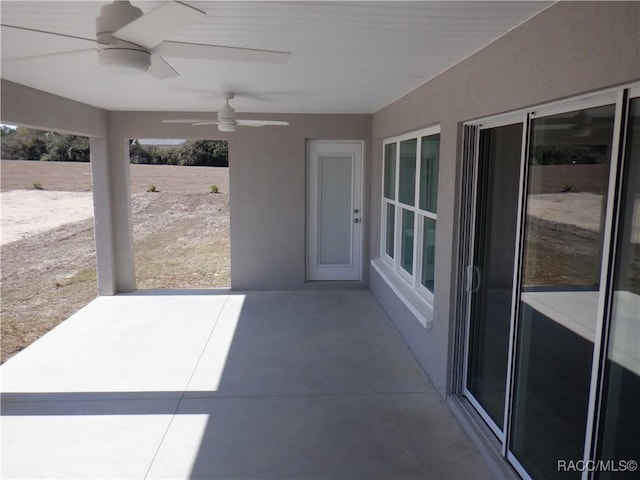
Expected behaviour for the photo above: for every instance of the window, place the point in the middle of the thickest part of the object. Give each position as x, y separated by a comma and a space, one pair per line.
409, 202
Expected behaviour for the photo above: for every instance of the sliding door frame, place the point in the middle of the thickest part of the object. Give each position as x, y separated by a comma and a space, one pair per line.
619, 96
590, 101
517, 277
470, 277
614, 208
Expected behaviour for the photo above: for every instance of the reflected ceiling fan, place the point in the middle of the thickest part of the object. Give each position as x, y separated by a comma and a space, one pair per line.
579, 124
130, 41
227, 120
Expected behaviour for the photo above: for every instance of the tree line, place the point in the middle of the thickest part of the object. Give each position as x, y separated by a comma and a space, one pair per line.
30, 144
208, 153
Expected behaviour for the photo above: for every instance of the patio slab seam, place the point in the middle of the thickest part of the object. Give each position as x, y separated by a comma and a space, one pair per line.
186, 388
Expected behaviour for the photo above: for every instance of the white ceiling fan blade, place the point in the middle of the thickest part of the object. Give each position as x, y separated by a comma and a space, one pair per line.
151, 29
92, 40
217, 52
20, 43
261, 123
68, 53
160, 69
192, 121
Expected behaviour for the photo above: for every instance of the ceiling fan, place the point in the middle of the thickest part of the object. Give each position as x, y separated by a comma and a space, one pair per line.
227, 120
130, 41
580, 124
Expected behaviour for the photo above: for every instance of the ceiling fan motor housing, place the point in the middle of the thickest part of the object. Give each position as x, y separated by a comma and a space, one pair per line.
227, 118
116, 54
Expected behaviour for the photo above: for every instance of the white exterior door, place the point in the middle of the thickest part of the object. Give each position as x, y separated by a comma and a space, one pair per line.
334, 210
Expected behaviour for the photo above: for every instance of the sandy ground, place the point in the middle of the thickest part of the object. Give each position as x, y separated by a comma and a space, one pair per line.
578, 209
181, 239
76, 177
582, 210
28, 212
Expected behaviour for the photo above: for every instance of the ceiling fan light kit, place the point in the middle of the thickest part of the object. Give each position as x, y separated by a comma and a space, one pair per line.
227, 116
227, 127
124, 60
114, 54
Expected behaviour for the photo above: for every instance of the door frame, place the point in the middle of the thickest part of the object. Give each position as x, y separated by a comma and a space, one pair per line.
357, 242
487, 124
471, 134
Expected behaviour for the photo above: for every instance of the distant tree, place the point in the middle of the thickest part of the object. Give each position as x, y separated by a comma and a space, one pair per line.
31, 144
192, 152
78, 149
7, 142
28, 144
169, 155
66, 148
6, 130
137, 153
570, 154
163, 155
211, 153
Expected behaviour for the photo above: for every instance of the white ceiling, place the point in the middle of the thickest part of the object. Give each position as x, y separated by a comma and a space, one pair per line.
347, 57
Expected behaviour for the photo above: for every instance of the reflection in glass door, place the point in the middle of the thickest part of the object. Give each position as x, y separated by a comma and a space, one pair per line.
566, 195
620, 433
496, 214
552, 303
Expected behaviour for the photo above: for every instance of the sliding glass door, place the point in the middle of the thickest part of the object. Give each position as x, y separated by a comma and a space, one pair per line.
552, 304
491, 274
566, 195
620, 432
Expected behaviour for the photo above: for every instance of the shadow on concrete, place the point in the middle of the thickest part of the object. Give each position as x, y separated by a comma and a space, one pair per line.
298, 385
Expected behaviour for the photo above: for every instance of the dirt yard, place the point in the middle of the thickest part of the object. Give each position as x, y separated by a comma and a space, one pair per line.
181, 240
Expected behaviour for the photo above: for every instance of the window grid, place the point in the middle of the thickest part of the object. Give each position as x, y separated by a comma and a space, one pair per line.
391, 204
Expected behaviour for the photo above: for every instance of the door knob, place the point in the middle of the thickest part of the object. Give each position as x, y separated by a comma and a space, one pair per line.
356, 220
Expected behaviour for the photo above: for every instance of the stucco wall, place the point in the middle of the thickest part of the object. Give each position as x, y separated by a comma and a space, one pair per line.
266, 184
267, 178
569, 49
25, 106
32, 108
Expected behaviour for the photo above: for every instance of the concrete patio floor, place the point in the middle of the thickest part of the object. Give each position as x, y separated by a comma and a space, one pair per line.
218, 384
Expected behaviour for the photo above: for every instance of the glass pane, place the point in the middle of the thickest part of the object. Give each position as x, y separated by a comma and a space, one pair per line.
430, 155
390, 229
390, 171
493, 257
334, 246
566, 200
408, 152
406, 255
428, 253
621, 430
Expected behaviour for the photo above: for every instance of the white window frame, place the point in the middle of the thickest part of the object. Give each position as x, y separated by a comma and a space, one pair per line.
407, 286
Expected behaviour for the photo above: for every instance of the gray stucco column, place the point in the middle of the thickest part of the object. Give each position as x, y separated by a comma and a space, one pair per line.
112, 210
102, 215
